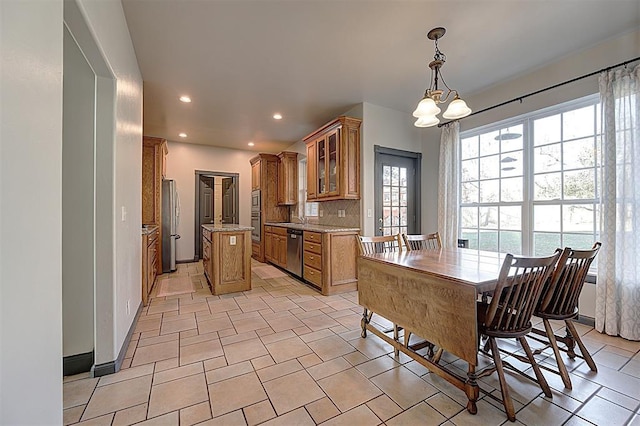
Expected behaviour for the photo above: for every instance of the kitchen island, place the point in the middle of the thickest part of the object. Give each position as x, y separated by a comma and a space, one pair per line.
226, 257
328, 254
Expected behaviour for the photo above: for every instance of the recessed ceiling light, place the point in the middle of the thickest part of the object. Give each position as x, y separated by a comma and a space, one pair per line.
277, 116
182, 135
185, 99
251, 144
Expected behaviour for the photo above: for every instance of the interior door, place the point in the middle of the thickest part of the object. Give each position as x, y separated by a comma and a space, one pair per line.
397, 192
205, 213
229, 214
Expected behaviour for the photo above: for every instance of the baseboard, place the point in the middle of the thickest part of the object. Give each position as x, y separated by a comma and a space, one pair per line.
591, 322
76, 364
114, 366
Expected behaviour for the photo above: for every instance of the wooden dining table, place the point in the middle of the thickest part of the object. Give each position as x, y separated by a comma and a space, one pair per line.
432, 294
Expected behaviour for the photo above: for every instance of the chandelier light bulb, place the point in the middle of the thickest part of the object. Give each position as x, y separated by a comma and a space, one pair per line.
457, 109
426, 106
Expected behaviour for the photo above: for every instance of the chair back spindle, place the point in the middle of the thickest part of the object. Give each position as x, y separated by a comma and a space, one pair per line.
422, 242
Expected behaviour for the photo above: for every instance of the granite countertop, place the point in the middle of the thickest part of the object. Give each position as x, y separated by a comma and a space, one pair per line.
226, 227
147, 229
312, 227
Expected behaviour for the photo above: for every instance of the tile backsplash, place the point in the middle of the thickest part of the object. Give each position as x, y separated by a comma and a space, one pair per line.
328, 213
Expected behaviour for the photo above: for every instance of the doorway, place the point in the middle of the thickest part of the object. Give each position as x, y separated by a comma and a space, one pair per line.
397, 191
216, 202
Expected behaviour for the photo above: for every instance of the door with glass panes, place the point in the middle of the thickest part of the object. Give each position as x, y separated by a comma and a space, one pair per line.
397, 189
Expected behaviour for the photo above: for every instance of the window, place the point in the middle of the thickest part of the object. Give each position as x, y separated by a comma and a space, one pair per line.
530, 185
394, 200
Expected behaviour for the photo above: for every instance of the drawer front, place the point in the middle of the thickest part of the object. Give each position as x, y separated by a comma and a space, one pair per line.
313, 276
313, 259
268, 228
313, 247
280, 231
314, 237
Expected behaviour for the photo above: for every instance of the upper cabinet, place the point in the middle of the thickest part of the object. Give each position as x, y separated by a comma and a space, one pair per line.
288, 178
333, 161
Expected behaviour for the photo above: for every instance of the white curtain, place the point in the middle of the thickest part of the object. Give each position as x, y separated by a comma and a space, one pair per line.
448, 185
618, 282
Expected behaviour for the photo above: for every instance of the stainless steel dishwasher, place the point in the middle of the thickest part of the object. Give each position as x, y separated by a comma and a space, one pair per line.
294, 251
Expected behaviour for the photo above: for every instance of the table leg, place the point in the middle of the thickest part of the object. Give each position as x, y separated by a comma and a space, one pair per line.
472, 390
366, 318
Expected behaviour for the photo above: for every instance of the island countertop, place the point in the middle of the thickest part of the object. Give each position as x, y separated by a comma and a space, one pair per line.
312, 227
226, 227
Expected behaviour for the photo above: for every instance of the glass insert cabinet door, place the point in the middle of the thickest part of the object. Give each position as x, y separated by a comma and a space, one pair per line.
328, 164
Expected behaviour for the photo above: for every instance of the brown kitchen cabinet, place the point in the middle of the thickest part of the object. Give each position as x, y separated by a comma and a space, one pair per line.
149, 260
154, 153
264, 177
330, 261
333, 161
288, 178
275, 245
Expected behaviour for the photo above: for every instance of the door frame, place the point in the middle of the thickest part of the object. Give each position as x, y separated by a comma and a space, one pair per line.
377, 179
196, 226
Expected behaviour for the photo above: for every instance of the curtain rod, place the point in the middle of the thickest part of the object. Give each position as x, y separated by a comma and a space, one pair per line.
520, 98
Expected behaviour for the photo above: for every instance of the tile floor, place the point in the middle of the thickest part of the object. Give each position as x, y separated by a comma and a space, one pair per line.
282, 354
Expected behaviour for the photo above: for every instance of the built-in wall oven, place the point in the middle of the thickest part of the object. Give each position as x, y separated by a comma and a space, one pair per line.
256, 219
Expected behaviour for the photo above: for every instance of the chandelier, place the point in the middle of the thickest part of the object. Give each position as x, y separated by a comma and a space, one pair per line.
428, 107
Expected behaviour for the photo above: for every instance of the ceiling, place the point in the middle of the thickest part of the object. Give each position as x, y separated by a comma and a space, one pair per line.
241, 61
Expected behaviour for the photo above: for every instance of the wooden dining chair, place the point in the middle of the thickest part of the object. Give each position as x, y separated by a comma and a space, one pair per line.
508, 315
422, 242
559, 301
380, 244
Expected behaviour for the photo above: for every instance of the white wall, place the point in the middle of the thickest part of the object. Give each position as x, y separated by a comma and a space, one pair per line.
108, 26
387, 128
30, 212
182, 162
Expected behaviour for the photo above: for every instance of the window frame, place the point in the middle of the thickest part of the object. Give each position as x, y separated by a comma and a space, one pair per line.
528, 203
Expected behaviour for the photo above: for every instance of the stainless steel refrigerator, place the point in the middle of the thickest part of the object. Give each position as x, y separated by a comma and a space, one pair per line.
170, 221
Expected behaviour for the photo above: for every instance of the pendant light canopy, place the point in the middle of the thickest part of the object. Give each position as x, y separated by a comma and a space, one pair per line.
427, 109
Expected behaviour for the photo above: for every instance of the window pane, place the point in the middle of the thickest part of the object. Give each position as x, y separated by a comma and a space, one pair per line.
511, 164
395, 216
547, 187
489, 144
511, 138
512, 189
386, 215
470, 192
545, 244
386, 175
472, 236
395, 195
403, 216
489, 191
470, 170
395, 176
490, 167
488, 240
580, 184
469, 217
546, 218
511, 242
511, 217
546, 130
578, 241
386, 196
488, 217
469, 147
547, 158
578, 218
578, 123
403, 196
579, 153
403, 176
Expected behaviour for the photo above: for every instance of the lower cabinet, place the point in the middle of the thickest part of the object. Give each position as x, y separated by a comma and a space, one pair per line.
330, 261
149, 262
275, 245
